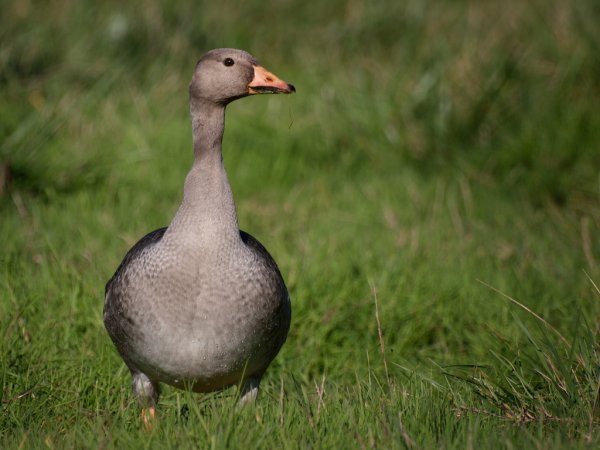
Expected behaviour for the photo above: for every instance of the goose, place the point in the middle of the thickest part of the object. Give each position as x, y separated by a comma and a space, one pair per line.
200, 304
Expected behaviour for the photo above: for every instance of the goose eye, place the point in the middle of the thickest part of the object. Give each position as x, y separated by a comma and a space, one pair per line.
228, 62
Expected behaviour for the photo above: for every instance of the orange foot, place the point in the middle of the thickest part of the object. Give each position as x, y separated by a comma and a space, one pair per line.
148, 418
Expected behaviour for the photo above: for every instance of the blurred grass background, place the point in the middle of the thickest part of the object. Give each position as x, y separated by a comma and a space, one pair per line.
435, 152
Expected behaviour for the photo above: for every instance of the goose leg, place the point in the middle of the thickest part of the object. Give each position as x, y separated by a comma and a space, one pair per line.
146, 393
249, 390
148, 416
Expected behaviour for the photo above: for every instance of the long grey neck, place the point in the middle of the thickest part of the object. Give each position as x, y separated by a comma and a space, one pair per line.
207, 212
208, 125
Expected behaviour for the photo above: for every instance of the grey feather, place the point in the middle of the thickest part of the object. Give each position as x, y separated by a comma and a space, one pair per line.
200, 304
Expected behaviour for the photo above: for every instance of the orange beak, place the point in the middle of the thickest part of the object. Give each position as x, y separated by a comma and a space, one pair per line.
264, 82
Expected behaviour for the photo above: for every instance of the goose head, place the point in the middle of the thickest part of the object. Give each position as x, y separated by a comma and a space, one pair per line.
226, 74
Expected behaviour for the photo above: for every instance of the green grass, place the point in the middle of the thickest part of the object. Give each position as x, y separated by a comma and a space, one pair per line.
438, 160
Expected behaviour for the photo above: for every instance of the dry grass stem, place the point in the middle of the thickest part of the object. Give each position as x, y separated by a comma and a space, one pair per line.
586, 242
593, 284
408, 441
537, 316
380, 332
320, 393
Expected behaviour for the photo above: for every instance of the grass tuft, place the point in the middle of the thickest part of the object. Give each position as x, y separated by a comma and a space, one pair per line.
545, 379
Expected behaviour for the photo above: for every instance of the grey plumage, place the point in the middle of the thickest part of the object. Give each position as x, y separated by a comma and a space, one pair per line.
201, 304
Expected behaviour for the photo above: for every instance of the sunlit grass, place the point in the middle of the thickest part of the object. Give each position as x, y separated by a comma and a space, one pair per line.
442, 155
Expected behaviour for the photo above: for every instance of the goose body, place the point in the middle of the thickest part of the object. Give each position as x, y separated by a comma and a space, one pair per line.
200, 304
